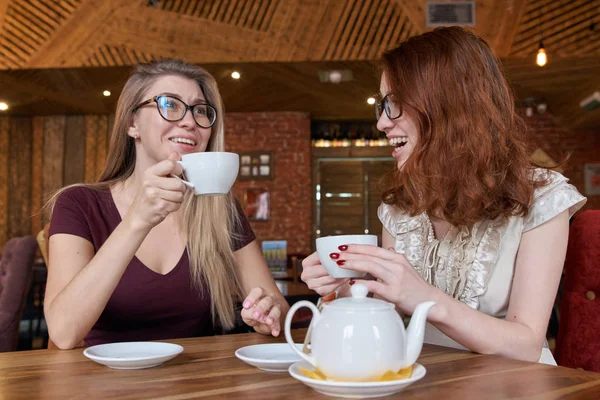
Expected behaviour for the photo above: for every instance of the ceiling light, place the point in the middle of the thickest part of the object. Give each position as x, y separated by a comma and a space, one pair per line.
335, 76
3, 106
542, 107
236, 75
541, 58
529, 111
106, 93
371, 100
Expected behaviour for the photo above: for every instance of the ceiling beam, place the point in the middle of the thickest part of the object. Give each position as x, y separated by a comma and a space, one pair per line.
77, 33
3, 8
197, 40
415, 11
325, 30
299, 27
511, 21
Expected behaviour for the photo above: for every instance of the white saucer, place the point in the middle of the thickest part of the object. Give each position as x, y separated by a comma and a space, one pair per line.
272, 357
355, 389
132, 355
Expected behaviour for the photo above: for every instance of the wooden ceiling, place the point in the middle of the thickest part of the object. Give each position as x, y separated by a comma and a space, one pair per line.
56, 56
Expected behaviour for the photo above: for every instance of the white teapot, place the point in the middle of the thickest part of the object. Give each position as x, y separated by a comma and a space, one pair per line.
360, 338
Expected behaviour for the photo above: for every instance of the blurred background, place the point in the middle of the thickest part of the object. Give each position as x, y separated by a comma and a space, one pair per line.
297, 78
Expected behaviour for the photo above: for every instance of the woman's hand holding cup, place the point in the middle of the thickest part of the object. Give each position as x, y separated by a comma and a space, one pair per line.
321, 270
159, 195
317, 278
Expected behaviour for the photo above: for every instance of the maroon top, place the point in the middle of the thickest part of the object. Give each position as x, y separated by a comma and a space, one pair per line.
145, 305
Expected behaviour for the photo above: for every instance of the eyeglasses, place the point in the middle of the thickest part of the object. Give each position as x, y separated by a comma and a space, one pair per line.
173, 109
392, 109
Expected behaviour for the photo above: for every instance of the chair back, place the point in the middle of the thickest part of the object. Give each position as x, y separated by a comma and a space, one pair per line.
16, 267
42, 241
578, 342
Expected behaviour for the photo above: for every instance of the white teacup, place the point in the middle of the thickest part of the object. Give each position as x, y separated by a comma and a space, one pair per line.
329, 244
210, 173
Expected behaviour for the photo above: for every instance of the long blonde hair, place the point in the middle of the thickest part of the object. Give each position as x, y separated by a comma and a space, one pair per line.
207, 220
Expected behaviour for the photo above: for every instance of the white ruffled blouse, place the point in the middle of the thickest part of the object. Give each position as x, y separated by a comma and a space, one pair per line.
476, 265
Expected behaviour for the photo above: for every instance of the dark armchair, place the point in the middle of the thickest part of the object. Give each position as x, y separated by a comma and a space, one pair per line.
16, 267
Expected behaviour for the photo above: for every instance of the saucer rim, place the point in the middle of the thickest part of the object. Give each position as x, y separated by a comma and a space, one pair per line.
266, 361
422, 371
176, 350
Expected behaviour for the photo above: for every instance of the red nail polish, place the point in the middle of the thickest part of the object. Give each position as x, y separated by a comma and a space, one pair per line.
343, 247
351, 282
341, 262
334, 256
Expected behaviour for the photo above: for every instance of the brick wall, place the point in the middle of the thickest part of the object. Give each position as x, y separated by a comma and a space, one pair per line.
287, 136
46, 145
583, 146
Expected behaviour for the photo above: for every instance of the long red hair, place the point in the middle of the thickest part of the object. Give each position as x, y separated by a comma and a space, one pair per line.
472, 159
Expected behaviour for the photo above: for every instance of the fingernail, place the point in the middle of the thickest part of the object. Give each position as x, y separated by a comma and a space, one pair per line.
343, 247
246, 304
341, 262
334, 256
256, 314
351, 282
276, 332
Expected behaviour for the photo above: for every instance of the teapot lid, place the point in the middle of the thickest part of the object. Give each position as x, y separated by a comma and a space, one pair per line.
359, 301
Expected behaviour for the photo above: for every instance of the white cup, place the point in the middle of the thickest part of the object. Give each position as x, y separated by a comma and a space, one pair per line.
329, 244
210, 173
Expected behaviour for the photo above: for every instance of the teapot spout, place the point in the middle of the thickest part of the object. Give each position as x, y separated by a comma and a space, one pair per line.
416, 333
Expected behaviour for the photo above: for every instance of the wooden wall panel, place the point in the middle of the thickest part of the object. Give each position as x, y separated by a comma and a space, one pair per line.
19, 177
102, 144
4, 132
38, 156
37, 162
91, 147
54, 140
73, 170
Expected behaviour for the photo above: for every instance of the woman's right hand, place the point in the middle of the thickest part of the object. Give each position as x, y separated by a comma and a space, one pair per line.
159, 195
316, 277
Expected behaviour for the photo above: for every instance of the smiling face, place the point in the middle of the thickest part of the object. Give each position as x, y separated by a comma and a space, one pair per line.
401, 132
156, 137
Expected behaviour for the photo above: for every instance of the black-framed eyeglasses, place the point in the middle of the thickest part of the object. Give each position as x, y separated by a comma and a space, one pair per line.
173, 109
392, 109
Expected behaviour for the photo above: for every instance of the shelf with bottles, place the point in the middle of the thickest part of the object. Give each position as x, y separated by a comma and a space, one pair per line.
347, 134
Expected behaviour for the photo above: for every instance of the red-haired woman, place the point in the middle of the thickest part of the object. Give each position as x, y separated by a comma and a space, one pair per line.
469, 221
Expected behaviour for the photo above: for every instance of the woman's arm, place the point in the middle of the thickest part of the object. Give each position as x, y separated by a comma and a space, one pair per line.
263, 296
80, 283
521, 334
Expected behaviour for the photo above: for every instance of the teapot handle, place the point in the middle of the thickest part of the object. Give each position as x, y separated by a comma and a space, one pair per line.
288, 324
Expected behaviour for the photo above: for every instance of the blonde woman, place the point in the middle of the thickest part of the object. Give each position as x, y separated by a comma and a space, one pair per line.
137, 256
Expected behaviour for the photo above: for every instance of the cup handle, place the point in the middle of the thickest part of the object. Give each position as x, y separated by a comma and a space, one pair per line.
288, 324
186, 183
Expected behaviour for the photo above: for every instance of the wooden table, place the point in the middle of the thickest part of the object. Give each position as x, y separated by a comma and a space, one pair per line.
208, 369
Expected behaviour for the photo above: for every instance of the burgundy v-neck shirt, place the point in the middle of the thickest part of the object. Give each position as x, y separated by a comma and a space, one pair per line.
145, 304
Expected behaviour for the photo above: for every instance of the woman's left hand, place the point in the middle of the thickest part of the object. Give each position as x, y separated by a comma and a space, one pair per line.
262, 312
397, 281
